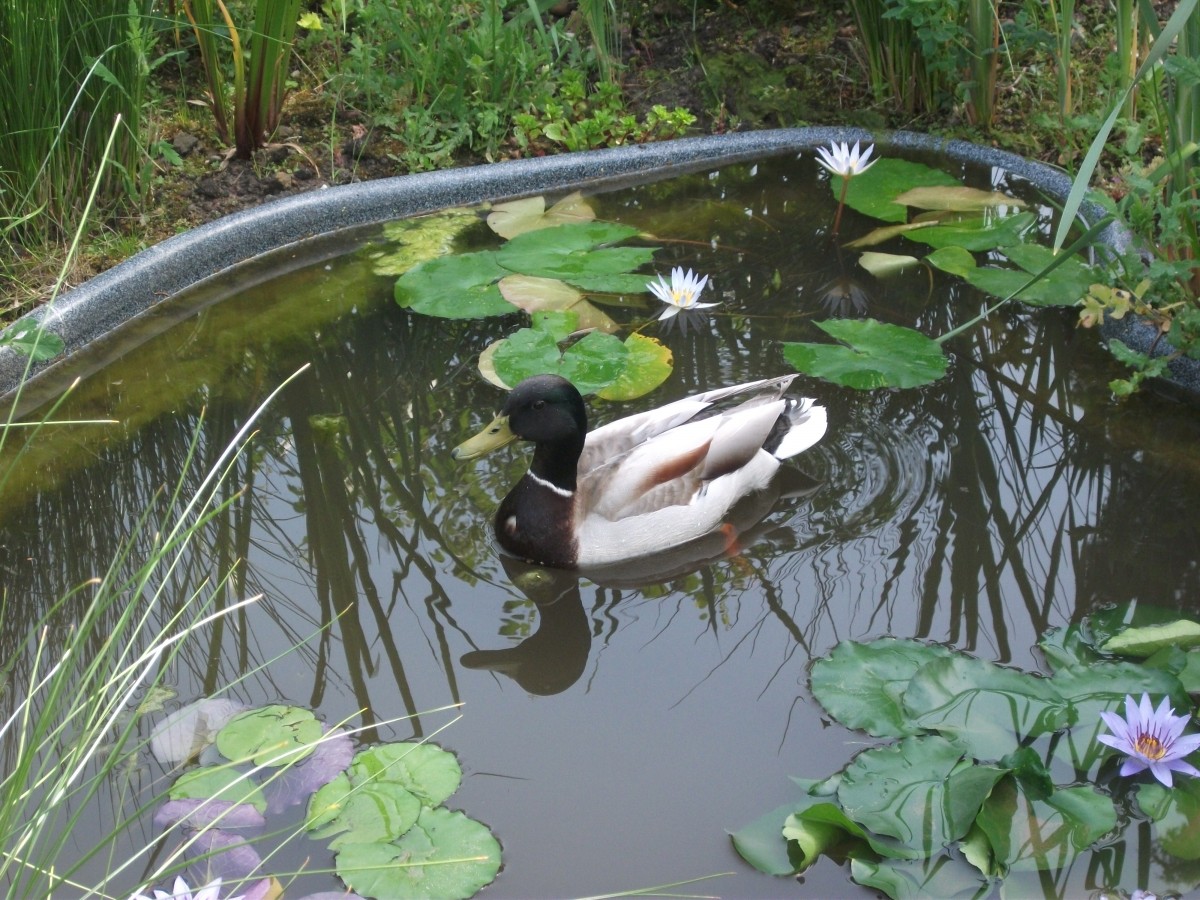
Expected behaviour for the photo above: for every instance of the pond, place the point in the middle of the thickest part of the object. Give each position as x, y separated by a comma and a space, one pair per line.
610, 734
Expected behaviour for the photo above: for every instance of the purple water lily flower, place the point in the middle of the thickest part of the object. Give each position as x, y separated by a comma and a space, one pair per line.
1151, 738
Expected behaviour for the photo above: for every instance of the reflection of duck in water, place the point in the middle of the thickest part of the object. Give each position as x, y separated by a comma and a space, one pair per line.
552, 658
643, 484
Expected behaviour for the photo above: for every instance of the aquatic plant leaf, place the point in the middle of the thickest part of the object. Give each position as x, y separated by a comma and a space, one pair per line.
455, 287
878, 355
648, 364
219, 854
884, 233
874, 192
199, 814
953, 260
445, 855
218, 783
957, 198
1064, 286
883, 264
361, 813
977, 233
529, 214
188, 730
825, 824
862, 685
31, 339
574, 251
534, 294
270, 736
1149, 639
421, 238
1028, 834
924, 774
1065, 647
1176, 813
1104, 624
988, 708
939, 876
760, 842
612, 283
428, 771
593, 362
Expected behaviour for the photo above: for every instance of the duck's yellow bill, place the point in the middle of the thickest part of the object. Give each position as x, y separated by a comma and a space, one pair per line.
494, 436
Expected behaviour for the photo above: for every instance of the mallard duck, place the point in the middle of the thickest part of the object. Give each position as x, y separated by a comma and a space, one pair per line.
642, 484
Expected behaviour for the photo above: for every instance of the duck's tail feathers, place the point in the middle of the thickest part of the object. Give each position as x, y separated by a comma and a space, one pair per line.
802, 424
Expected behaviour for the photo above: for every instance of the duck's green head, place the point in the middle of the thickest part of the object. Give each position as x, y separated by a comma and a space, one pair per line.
542, 409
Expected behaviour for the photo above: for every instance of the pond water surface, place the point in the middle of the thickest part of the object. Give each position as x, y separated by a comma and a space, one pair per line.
612, 737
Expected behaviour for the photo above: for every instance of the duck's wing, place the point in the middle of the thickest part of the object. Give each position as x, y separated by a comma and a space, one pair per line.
610, 441
673, 467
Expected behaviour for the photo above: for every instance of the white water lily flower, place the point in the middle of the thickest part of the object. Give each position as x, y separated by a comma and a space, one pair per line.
681, 294
181, 891
839, 159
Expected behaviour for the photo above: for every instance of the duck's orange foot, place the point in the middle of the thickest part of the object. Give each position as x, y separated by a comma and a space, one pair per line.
732, 547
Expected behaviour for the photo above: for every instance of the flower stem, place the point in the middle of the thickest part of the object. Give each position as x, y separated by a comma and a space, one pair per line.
837, 218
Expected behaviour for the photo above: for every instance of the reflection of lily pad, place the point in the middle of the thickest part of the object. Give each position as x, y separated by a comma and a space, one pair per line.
455, 287
445, 855
875, 355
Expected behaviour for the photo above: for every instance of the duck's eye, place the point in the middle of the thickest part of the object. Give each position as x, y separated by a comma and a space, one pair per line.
539, 404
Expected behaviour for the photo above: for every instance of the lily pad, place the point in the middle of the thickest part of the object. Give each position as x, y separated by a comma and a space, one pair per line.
977, 233
1148, 640
270, 736
574, 251
362, 813
455, 287
862, 685
883, 264
874, 192
529, 214
223, 783
428, 771
592, 363
188, 730
876, 355
957, 198
940, 876
446, 855
648, 363
534, 294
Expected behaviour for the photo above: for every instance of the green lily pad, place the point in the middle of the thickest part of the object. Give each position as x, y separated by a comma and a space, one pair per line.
883, 264
270, 736
759, 844
1043, 834
224, 783
569, 252
874, 192
977, 233
878, 355
988, 708
364, 813
1176, 813
455, 287
648, 363
430, 772
592, 363
444, 856
1148, 640
940, 876
862, 685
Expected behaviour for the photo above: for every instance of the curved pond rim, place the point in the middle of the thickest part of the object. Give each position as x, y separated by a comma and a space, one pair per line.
94, 311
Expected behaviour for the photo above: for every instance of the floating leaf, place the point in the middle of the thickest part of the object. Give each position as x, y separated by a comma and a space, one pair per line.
270, 736
953, 260
187, 731
574, 251
1043, 834
1143, 642
878, 355
218, 783
977, 233
988, 708
941, 876
593, 362
534, 294
877, 236
1064, 286
455, 287
875, 191
199, 814
648, 364
1176, 813
957, 198
883, 264
518, 216
430, 772
445, 855
759, 842
862, 685
915, 809
612, 283
362, 813
420, 239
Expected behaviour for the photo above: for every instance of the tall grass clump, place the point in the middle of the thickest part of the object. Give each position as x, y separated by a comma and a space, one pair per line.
68, 719
247, 115
69, 69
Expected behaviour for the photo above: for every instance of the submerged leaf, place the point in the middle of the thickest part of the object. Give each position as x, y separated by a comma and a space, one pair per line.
957, 198
223, 783
421, 238
878, 355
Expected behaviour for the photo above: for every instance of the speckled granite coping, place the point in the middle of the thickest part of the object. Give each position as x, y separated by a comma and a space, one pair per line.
101, 306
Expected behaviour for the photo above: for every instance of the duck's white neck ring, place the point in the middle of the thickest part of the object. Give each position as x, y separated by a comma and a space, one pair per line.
562, 492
